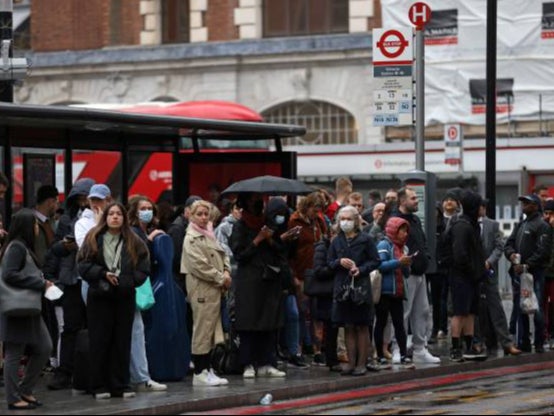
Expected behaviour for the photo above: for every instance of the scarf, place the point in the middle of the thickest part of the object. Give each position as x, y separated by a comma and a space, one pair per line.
206, 232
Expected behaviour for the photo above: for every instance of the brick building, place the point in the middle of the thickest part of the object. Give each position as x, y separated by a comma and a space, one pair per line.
296, 61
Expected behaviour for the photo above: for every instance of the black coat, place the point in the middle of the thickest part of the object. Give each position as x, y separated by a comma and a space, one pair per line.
322, 272
416, 242
468, 256
361, 250
21, 330
93, 270
532, 238
177, 231
257, 299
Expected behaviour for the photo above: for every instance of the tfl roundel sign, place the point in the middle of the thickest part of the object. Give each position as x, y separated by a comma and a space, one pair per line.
392, 46
392, 43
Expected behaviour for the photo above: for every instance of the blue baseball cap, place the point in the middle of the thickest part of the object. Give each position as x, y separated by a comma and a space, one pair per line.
99, 191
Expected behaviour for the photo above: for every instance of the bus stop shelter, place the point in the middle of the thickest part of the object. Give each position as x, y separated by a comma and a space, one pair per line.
27, 130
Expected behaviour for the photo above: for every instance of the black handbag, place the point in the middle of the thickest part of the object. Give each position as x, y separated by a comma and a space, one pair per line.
359, 294
316, 287
18, 301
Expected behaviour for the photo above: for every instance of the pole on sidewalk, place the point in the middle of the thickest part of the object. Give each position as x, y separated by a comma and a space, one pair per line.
6, 34
420, 100
490, 157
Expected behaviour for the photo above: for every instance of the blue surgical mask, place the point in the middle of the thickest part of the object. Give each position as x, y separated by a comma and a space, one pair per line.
279, 219
146, 216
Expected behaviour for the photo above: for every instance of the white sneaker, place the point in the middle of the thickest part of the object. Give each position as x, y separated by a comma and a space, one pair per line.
249, 372
396, 354
151, 385
219, 380
424, 357
204, 380
270, 371
409, 343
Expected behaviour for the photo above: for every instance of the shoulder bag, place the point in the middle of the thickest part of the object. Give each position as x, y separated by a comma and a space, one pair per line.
18, 301
376, 284
315, 287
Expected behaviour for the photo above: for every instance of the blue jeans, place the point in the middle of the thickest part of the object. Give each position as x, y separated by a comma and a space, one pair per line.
139, 363
291, 331
522, 320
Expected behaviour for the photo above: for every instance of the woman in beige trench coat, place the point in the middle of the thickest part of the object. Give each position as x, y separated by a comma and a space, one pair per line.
208, 273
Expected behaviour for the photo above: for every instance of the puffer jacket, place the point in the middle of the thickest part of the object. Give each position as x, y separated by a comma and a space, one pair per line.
389, 264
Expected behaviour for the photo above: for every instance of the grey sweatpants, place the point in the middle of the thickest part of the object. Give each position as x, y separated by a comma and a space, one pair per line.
38, 358
417, 313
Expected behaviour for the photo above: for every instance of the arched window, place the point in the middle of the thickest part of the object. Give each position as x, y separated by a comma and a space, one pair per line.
304, 17
325, 123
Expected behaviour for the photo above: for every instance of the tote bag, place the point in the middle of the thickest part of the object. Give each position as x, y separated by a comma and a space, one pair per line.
145, 296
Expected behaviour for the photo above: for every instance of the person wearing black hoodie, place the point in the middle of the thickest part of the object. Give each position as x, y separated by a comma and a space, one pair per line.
466, 272
64, 251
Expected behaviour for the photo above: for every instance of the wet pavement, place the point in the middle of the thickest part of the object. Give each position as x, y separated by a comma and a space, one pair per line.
181, 397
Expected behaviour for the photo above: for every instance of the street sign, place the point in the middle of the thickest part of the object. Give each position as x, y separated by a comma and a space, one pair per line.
453, 144
393, 46
419, 14
393, 77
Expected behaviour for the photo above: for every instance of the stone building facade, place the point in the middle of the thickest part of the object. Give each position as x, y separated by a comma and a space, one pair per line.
129, 51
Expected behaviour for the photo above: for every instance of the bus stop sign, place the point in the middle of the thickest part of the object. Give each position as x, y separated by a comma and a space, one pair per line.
419, 14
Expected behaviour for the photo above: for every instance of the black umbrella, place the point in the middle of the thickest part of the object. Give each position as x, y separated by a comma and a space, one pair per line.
269, 185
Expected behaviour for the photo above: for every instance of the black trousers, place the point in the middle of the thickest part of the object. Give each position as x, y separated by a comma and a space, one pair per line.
395, 307
110, 324
331, 334
74, 319
257, 348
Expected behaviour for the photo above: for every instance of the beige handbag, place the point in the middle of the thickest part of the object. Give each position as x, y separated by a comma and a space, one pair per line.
376, 281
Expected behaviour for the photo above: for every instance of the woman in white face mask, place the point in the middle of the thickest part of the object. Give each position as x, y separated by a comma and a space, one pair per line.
143, 221
353, 255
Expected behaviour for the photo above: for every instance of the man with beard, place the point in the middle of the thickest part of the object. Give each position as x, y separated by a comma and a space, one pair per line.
416, 311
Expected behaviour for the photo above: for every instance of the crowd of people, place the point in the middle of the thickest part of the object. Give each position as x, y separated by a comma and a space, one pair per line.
291, 282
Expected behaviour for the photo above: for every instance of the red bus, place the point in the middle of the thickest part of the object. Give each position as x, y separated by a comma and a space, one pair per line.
152, 172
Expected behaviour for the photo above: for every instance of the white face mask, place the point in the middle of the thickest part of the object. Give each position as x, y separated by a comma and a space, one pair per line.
347, 225
279, 219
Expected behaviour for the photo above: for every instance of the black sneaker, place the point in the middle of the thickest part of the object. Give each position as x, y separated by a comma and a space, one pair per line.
407, 363
319, 360
297, 361
308, 350
456, 355
384, 364
60, 381
474, 354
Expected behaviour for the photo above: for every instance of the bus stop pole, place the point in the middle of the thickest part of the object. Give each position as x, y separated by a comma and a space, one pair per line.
420, 100
490, 151
6, 95
6, 34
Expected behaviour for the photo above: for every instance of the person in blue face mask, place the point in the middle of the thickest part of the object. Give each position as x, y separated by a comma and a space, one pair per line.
144, 222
